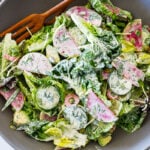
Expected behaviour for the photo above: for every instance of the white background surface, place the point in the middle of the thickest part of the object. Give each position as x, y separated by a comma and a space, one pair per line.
4, 145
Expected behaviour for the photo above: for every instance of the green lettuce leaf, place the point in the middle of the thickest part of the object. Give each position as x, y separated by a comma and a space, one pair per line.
39, 40
95, 130
148, 72
1, 45
60, 131
104, 45
107, 8
78, 74
34, 129
8, 48
131, 118
62, 19
146, 38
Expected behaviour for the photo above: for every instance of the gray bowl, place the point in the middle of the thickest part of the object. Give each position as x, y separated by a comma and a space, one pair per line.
12, 11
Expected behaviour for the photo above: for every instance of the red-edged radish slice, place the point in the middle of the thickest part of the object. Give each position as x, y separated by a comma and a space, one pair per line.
105, 74
10, 58
111, 95
98, 109
133, 33
64, 42
87, 14
129, 71
35, 63
71, 99
18, 103
113, 9
44, 116
132, 73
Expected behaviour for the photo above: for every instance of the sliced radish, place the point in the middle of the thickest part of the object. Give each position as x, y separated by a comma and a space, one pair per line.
44, 116
35, 62
18, 103
10, 58
98, 109
132, 73
129, 71
64, 42
111, 95
87, 14
134, 33
71, 99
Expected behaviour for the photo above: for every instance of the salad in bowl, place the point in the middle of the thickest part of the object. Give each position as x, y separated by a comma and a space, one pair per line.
80, 78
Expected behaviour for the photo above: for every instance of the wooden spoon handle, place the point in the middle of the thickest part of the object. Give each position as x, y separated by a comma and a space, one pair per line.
56, 8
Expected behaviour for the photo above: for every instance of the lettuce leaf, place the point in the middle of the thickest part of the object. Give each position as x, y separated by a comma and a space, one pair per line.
103, 44
146, 38
62, 19
143, 58
8, 48
60, 131
107, 8
148, 72
39, 40
131, 118
34, 129
96, 129
1, 45
78, 74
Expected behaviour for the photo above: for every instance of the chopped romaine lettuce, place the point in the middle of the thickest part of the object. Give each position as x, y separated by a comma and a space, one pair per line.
104, 45
95, 129
78, 75
10, 54
52, 54
107, 8
63, 19
39, 40
143, 58
131, 118
60, 131
103, 140
148, 72
103, 83
146, 38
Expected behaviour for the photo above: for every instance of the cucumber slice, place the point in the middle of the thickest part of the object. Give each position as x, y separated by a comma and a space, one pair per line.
47, 98
76, 116
119, 85
87, 14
